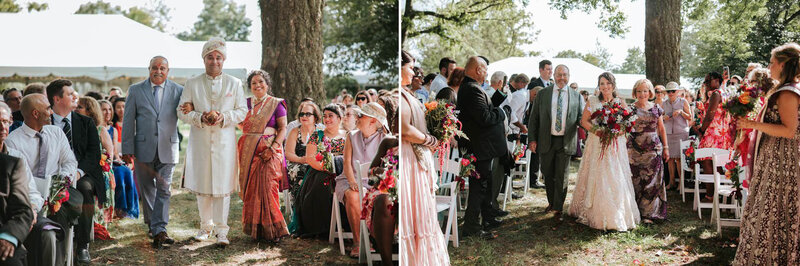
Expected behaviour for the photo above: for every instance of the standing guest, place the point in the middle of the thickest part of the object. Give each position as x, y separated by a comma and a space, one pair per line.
677, 114
427, 81
12, 98
360, 146
373, 95
552, 132
518, 104
362, 98
750, 67
312, 213
309, 116
545, 75
447, 94
339, 97
149, 141
446, 67
647, 148
455, 80
89, 107
115, 92
349, 122
261, 161
126, 198
573, 86
215, 106
715, 126
604, 195
36, 87
81, 132
417, 84
736, 80
422, 241
483, 125
769, 232
347, 99
533, 160
661, 93
389, 103
94, 95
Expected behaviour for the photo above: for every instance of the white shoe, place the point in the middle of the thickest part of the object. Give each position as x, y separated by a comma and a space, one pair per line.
222, 240
202, 235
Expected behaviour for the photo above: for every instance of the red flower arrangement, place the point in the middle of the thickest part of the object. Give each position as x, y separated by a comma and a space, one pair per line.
733, 171
384, 183
610, 122
467, 170
58, 194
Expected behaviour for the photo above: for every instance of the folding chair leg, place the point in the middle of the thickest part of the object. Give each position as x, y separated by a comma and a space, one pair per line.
339, 227
333, 225
680, 185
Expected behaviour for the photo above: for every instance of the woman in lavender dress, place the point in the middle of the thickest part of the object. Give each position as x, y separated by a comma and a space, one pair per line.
647, 148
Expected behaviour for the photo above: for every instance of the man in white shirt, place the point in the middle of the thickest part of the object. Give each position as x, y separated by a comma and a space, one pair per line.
519, 101
46, 151
446, 66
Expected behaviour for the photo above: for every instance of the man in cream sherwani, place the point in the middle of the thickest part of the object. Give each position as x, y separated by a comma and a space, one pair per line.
213, 104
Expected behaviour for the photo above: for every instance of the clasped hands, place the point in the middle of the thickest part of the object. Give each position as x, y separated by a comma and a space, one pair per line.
266, 155
210, 118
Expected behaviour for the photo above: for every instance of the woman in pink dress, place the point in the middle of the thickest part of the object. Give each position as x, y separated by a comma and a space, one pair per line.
421, 239
715, 124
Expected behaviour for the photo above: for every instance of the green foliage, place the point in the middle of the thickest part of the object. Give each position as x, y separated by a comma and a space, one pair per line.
219, 18
497, 34
9, 6
336, 83
34, 6
634, 62
361, 34
155, 17
778, 25
612, 19
442, 21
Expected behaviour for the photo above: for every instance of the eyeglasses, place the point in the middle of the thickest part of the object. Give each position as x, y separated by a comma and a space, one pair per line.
302, 114
6, 122
361, 98
372, 93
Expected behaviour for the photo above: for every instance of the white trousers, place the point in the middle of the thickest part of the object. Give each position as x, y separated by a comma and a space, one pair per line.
214, 213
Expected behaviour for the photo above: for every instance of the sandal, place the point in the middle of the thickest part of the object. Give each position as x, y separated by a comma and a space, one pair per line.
354, 253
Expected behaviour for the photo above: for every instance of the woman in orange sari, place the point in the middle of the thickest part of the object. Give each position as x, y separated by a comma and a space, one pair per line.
262, 167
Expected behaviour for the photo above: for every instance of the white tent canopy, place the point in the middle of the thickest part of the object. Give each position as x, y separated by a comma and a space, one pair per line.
581, 72
103, 47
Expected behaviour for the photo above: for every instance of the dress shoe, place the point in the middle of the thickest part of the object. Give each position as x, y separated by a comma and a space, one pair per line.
500, 213
83, 256
480, 234
162, 239
492, 224
558, 215
202, 235
537, 185
222, 240
516, 196
548, 209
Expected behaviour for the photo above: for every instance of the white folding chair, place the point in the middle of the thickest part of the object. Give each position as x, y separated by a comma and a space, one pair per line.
700, 177
725, 191
336, 230
520, 169
287, 203
685, 168
447, 199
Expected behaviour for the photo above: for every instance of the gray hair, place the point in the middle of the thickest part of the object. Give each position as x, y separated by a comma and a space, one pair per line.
561, 65
158, 57
4, 106
497, 76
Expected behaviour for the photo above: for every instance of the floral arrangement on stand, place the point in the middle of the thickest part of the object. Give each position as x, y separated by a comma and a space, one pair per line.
58, 194
442, 123
519, 152
467, 170
689, 152
611, 121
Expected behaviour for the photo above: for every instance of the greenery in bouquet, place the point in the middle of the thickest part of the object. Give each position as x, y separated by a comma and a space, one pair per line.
611, 121
441, 121
467, 170
325, 156
519, 152
57, 195
382, 182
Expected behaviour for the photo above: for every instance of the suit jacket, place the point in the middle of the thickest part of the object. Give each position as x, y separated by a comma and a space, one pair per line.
481, 122
538, 82
147, 130
498, 98
86, 147
540, 120
16, 215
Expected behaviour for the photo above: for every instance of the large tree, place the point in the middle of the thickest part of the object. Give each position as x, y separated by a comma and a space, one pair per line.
361, 34
221, 18
439, 22
634, 62
292, 49
155, 17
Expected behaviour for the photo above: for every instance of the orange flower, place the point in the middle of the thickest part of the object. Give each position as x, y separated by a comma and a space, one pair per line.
431, 105
744, 99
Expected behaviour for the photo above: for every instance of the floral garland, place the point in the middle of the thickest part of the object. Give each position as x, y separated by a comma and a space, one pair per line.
58, 194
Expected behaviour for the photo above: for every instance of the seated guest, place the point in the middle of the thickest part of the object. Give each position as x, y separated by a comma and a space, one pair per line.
12, 98
360, 146
126, 198
81, 133
46, 149
89, 107
349, 121
313, 208
309, 115
17, 216
295, 123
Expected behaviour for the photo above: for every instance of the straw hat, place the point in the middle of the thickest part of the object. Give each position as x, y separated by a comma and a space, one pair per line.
373, 110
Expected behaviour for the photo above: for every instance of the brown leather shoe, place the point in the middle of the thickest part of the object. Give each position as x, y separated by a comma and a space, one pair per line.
162, 239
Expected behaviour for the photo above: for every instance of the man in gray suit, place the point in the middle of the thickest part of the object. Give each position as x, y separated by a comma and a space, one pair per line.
150, 137
552, 129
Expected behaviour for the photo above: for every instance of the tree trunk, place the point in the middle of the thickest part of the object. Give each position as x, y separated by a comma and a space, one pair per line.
662, 39
291, 39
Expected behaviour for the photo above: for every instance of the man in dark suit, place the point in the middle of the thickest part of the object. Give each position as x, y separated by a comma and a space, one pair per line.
16, 214
544, 80
483, 125
81, 132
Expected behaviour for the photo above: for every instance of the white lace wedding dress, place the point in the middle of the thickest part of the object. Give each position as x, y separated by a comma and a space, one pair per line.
604, 197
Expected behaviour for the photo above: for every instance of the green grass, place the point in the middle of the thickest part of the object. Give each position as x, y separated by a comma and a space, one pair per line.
529, 237
132, 247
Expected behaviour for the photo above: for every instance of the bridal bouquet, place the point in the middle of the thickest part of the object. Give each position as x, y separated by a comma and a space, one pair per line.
58, 194
443, 124
611, 121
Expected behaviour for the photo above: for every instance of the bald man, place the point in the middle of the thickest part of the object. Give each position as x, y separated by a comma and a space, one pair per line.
483, 125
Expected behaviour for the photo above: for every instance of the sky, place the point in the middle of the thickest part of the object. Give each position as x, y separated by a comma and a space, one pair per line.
183, 13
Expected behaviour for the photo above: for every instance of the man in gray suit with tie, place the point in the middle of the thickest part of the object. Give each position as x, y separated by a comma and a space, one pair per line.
552, 130
150, 137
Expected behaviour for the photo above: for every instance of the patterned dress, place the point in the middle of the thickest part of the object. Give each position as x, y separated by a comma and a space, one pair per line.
645, 152
312, 215
770, 233
718, 133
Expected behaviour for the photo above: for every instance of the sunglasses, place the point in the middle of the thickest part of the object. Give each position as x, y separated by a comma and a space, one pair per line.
302, 114
671, 91
361, 98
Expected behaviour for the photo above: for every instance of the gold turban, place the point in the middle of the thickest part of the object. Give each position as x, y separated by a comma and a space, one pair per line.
215, 44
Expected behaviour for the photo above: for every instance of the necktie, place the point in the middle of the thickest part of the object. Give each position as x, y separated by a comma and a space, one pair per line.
41, 167
155, 97
527, 113
559, 110
68, 131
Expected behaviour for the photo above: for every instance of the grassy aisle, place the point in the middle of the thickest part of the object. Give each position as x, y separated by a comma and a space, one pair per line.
530, 237
132, 247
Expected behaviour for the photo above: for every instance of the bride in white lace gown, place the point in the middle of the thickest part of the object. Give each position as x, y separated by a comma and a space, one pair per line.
604, 197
